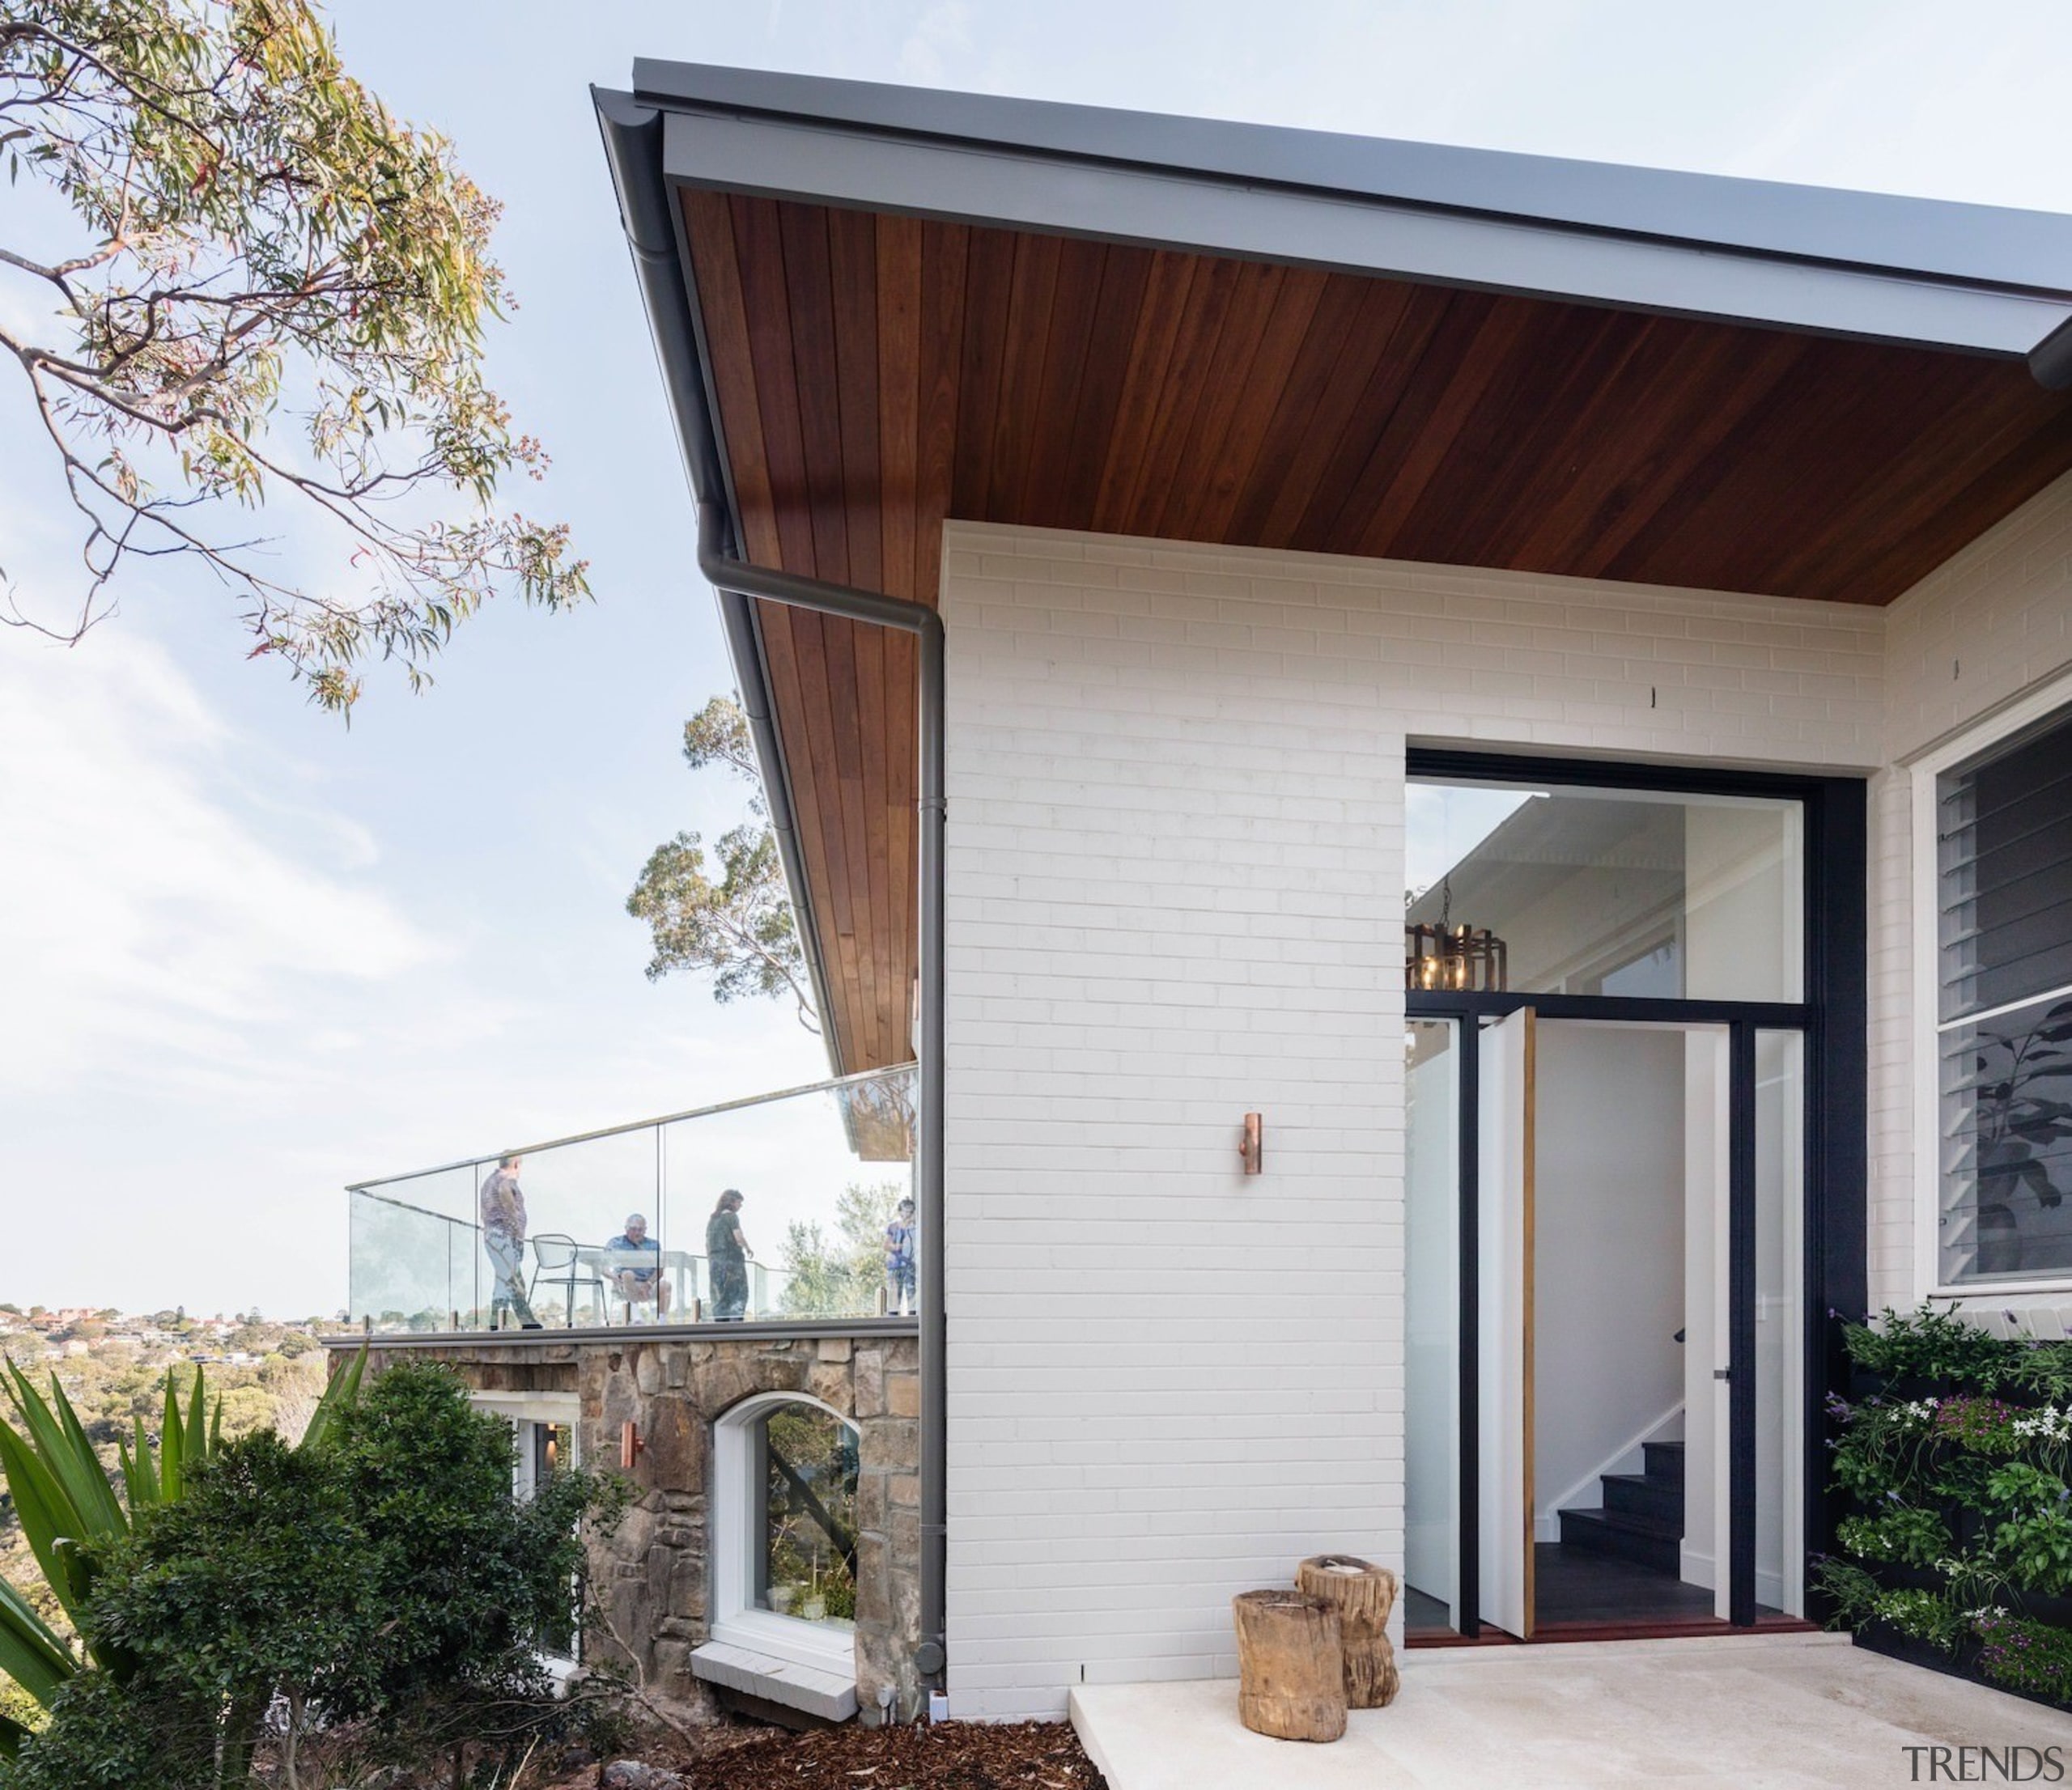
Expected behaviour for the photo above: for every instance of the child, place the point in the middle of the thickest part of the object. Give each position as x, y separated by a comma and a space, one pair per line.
899, 1262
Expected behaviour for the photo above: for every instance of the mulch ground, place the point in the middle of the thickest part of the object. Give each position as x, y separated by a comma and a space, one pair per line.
948, 1756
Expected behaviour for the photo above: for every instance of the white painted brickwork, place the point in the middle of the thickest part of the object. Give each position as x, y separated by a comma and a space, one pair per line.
1175, 896
1991, 624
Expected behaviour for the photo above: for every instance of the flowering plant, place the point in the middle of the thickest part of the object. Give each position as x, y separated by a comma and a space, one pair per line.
1956, 1448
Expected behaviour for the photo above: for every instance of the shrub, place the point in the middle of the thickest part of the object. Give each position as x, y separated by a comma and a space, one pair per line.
1957, 1459
387, 1577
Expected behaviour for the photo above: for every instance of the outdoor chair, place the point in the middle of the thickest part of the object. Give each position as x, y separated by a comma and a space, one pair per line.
557, 1261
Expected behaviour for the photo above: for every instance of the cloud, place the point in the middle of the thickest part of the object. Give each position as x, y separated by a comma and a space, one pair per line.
162, 908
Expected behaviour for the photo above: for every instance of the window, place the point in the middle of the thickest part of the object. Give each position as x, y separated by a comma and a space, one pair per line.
2001, 985
804, 1522
1625, 893
543, 1436
784, 1516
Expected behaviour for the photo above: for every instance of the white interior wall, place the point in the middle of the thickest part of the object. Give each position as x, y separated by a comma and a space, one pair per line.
1608, 1260
1175, 869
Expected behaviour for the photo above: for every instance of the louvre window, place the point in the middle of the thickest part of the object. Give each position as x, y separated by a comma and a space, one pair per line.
2004, 841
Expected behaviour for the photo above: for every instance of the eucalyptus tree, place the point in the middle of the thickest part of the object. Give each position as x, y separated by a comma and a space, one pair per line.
230, 278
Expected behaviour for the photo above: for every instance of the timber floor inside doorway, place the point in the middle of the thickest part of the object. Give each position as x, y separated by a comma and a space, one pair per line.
1581, 1595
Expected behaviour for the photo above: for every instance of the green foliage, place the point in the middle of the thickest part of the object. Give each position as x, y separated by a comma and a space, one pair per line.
467, 1578
256, 1582
255, 239
70, 1514
1903, 1533
2025, 1655
1928, 1344
839, 1277
737, 927
381, 1573
1966, 1483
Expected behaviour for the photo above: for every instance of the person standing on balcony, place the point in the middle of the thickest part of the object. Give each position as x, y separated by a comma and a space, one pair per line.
728, 1255
899, 1263
503, 1240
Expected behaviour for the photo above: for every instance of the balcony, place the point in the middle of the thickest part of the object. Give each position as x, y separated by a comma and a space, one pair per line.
821, 1171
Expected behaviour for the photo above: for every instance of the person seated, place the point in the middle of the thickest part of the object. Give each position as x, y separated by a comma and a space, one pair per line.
641, 1283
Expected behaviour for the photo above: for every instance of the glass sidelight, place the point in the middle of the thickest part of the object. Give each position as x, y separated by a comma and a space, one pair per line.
1433, 1582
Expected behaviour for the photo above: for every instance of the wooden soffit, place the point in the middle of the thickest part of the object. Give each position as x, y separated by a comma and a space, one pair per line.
874, 374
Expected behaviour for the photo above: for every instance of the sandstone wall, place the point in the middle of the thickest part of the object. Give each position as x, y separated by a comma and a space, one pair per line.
652, 1576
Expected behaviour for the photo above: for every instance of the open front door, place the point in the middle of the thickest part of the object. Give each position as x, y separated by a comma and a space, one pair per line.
1504, 1280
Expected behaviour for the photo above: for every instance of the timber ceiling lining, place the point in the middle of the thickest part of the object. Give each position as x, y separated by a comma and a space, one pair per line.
876, 374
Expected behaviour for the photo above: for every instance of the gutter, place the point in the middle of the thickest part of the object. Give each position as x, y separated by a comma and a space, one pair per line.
633, 138
633, 146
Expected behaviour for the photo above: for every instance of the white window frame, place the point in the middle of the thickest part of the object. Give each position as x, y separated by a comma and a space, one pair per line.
737, 1543
521, 1411
1927, 1026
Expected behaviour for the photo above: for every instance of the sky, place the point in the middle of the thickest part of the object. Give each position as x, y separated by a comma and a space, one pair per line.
248, 955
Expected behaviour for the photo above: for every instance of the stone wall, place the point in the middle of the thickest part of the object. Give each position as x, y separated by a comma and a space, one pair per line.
652, 1576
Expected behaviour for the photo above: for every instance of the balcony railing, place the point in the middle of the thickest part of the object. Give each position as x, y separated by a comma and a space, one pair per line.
821, 1171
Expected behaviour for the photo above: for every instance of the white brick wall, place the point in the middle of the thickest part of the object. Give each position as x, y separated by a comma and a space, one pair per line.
1175, 891
1991, 624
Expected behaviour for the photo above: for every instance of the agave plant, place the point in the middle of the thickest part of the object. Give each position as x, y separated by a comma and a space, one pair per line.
66, 1504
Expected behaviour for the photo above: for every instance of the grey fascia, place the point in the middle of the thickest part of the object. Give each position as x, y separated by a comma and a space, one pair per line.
1981, 278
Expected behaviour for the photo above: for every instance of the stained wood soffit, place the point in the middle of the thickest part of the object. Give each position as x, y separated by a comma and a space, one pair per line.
875, 374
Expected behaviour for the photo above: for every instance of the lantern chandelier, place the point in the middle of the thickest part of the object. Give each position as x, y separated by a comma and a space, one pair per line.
1453, 959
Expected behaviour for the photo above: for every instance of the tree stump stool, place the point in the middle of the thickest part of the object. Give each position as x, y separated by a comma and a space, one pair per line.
1363, 1594
1290, 1665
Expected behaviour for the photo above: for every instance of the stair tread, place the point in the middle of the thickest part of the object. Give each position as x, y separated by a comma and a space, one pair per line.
1650, 1527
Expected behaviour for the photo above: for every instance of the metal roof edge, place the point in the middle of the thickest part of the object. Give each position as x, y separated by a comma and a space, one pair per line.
1933, 239
632, 132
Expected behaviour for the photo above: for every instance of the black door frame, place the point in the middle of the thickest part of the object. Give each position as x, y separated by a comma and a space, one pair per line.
1834, 1019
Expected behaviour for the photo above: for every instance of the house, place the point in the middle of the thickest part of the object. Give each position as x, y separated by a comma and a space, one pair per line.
1164, 558
1444, 761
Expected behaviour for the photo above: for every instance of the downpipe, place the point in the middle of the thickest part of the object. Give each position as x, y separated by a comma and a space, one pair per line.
633, 146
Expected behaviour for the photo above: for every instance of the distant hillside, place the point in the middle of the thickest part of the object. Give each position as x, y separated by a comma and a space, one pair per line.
113, 1367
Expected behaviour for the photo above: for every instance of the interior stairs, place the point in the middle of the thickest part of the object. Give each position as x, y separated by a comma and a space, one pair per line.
1641, 1516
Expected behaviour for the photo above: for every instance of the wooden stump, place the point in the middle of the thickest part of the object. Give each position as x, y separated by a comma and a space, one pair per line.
1290, 1665
1363, 1595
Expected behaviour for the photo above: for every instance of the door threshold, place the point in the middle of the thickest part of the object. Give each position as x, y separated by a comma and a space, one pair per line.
1675, 1628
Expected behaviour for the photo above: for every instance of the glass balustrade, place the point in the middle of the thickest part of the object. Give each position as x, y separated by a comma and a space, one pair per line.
791, 1205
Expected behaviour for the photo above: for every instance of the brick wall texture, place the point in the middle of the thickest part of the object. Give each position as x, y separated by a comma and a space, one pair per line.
1175, 864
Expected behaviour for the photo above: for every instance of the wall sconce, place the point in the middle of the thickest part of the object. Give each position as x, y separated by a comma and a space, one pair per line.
1251, 1144
631, 1447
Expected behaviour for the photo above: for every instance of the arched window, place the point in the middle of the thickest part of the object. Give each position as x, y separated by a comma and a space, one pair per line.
784, 1529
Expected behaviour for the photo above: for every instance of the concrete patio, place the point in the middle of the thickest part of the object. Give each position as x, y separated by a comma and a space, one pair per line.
1755, 1712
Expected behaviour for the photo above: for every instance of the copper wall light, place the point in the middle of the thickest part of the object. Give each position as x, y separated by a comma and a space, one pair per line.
1251, 1144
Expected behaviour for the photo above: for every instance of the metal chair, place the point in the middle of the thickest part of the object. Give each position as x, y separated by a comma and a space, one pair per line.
557, 1260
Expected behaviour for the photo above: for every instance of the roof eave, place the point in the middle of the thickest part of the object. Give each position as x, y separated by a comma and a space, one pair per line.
1920, 273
